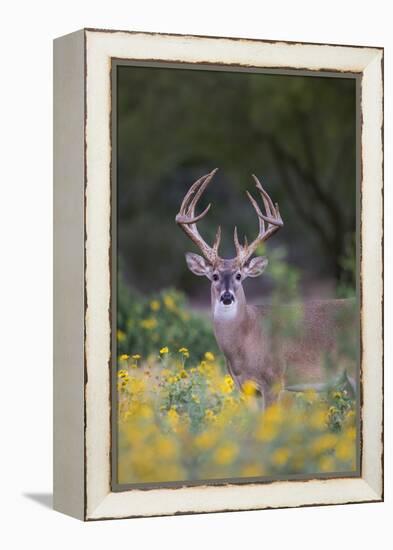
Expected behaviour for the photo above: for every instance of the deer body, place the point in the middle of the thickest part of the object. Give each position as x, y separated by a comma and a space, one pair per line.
263, 344
273, 361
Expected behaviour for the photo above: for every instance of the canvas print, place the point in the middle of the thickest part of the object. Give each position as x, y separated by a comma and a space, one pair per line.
236, 350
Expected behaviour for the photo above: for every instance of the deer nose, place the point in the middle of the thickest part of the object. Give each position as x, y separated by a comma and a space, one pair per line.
227, 298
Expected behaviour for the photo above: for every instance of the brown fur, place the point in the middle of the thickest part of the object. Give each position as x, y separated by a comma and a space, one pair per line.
278, 345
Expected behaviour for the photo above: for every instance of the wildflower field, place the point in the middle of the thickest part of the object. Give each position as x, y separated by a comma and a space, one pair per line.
179, 421
180, 418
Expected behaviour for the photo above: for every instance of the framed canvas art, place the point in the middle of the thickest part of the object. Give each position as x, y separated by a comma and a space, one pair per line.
218, 274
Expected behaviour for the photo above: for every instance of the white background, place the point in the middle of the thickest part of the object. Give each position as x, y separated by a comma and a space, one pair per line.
27, 29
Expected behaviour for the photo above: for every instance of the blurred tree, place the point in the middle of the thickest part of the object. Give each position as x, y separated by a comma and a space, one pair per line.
297, 133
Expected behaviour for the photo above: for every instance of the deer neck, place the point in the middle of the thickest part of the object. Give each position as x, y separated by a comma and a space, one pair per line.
231, 326
229, 316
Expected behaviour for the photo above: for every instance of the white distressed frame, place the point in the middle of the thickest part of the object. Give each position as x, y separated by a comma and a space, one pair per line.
100, 47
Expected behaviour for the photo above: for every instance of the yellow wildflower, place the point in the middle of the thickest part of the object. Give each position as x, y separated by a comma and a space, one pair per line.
124, 357
274, 414
267, 431
164, 350
317, 420
252, 470
205, 440
226, 453
122, 383
184, 352
136, 356
137, 385
208, 370
350, 433
350, 416
324, 443
169, 302
122, 373
345, 450
249, 388
209, 356
183, 374
121, 336
173, 417
209, 414
149, 324
280, 456
145, 411
230, 403
155, 305
326, 464
166, 448
227, 384
172, 471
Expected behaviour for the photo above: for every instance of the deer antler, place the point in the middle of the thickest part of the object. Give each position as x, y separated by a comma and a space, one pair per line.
187, 219
272, 218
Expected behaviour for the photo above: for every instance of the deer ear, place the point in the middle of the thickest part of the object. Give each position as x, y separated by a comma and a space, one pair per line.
255, 267
198, 265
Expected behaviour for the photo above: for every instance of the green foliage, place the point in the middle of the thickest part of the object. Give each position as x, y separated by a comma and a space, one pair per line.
145, 324
187, 393
285, 276
346, 287
341, 404
297, 133
338, 401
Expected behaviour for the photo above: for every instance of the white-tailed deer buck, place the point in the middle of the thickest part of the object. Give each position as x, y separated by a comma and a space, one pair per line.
265, 344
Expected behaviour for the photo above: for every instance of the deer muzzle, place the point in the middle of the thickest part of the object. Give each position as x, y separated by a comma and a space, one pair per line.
227, 298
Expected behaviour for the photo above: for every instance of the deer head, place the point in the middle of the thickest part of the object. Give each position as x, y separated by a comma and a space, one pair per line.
226, 275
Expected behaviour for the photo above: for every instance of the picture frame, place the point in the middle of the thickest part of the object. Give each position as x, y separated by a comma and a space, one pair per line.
84, 210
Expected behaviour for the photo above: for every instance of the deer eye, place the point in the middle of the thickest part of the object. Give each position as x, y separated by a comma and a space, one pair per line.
238, 276
215, 277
